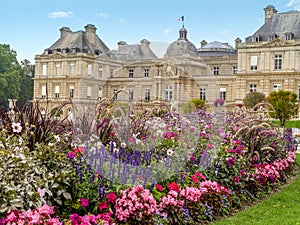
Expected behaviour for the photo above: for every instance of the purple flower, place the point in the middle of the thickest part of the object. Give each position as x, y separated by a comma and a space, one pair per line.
230, 161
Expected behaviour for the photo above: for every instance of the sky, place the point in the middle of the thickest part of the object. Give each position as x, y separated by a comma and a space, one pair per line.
31, 26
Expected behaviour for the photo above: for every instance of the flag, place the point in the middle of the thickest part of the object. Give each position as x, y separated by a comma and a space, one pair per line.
181, 18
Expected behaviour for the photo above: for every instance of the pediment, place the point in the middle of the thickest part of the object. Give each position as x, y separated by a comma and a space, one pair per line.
276, 43
57, 55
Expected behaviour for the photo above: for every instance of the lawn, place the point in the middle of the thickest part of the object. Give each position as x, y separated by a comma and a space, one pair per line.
289, 124
281, 208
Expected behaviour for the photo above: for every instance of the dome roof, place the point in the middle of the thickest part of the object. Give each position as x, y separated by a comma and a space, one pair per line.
182, 46
216, 48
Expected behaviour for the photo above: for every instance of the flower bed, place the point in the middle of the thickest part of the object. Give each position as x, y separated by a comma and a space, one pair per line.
156, 167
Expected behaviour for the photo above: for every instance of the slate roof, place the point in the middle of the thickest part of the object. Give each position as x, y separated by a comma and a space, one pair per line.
78, 41
134, 52
279, 25
216, 48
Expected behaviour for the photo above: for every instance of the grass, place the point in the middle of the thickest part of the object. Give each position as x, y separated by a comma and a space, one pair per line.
282, 208
289, 123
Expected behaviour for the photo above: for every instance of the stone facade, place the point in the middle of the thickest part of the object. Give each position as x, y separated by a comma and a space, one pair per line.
81, 68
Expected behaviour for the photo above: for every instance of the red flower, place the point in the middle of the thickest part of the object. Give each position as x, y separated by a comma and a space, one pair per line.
173, 186
111, 197
102, 205
159, 187
194, 178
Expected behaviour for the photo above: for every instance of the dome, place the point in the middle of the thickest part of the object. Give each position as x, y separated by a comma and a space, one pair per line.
216, 48
182, 46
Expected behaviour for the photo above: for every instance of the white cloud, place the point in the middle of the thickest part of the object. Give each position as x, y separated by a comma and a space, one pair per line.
293, 3
102, 14
60, 14
168, 32
223, 32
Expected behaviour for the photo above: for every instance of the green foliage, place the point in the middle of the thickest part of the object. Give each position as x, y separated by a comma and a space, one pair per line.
10, 74
285, 104
193, 105
26, 84
253, 98
31, 178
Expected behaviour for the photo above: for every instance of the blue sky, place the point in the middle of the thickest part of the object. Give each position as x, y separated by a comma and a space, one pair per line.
33, 25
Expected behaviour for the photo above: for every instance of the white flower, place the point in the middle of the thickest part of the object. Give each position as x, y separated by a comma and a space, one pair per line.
57, 138
116, 150
169, 151
50, 144
17, 128
41, 192
123, 144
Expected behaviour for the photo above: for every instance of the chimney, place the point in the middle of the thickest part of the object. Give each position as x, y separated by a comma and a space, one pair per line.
120, 44
145, 46
203, 43
90, 32
64, 31
269, 12
237, 42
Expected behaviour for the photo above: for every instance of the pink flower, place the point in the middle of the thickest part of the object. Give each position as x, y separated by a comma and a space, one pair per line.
71, 155
84, 202
173, 186
111, 197
236, 179
102, 205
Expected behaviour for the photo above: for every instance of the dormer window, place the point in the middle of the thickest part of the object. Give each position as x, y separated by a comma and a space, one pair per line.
272, 37
256, 38
289, 36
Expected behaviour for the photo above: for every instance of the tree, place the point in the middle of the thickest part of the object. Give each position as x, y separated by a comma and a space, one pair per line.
193, 105
26, 85
285, 104
253, 98
10, 75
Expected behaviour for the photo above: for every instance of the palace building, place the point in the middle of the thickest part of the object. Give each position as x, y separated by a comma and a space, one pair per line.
81, 68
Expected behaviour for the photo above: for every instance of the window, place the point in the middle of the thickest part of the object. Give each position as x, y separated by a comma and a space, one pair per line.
147, 94
89, 69
115, 96
89, 92
100, 92
130, 97
223, 93
203, 94
289, 36
57, 66
277, 87
100, 71
253, 62
216, 70
56, 92
111, 72
44, 91
71, 91
234, 69
253, 87
72, 67
146, 72
168, 93
44, 70
130, 72
278, 62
